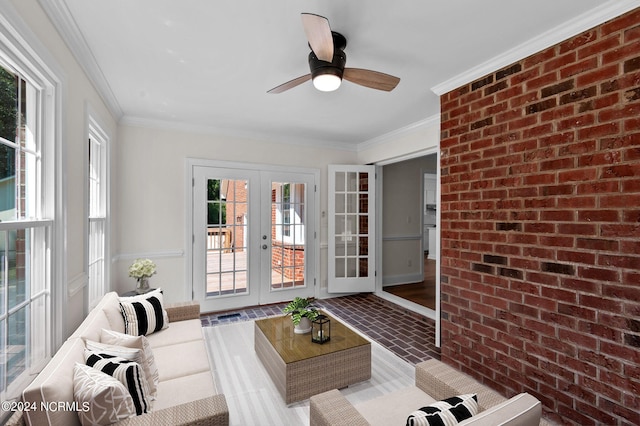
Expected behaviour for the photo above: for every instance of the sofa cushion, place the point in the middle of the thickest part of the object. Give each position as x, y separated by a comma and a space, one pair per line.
101, 399
129, 373
130, 354
98, 318
184, 389
182, 359
54, 384
377, 410
113, 313
144, 314
138, 342
449, 411
178, 332
520, 410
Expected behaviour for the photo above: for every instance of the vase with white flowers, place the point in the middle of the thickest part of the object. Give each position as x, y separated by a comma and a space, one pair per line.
141, 270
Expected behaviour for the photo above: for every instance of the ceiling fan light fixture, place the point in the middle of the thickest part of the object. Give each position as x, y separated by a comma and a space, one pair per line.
327, 65
326, 82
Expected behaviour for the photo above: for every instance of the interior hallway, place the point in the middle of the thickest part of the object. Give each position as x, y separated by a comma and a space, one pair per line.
424, 292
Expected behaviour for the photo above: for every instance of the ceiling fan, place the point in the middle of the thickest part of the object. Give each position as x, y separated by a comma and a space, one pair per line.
327, 61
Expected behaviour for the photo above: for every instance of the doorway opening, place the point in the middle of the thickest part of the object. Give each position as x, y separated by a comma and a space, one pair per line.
409, 232
422, 292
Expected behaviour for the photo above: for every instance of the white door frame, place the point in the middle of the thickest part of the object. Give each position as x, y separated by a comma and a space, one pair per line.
435, 315
312, 262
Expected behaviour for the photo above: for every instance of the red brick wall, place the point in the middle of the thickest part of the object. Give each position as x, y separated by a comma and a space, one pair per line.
541, 227
288, 259
236, 202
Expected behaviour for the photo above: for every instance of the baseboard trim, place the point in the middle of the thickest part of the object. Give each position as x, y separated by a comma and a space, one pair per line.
401, 279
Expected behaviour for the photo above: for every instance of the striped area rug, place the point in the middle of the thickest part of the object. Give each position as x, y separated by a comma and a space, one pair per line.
251, 395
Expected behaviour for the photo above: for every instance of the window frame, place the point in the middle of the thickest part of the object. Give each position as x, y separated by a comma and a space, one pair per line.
101, 217
23, 54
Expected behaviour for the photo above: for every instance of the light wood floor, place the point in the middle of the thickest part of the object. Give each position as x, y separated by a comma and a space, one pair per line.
227, 273
423, 293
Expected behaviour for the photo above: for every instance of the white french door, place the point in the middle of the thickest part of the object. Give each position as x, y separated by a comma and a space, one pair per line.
225, 214
288, 239
351, 240
254, 236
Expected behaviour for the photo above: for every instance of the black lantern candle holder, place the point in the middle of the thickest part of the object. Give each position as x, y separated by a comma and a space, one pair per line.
321, 329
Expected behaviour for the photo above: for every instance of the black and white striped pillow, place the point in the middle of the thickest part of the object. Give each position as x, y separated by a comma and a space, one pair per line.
129, 373
448, 412
144, 315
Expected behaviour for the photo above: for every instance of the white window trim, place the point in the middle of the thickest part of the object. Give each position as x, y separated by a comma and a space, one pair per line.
94, 128
26, 54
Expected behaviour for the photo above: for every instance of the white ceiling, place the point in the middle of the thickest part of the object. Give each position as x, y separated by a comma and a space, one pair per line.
207, 65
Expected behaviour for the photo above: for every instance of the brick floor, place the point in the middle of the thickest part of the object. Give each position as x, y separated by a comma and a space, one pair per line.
409, 335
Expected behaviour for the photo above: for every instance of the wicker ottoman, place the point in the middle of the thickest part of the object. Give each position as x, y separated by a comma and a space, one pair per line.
300, 368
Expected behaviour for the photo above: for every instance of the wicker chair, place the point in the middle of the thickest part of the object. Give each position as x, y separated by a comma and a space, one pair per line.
438, 381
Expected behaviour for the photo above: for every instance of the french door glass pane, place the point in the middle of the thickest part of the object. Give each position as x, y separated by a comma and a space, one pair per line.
227, 215
351, 224
287, 235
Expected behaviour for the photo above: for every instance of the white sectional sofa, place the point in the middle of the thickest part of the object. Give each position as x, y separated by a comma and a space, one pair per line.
186, 392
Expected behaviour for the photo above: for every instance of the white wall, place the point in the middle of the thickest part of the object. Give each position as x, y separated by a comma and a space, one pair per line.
78, 92
401, 144
150, 193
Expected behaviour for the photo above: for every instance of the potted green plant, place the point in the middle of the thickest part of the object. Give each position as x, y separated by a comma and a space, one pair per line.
302, 313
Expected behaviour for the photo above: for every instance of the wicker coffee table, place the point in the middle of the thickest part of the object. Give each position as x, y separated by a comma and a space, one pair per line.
300, 368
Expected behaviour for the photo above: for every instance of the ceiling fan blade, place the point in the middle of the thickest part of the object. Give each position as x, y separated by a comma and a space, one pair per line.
372, 79
318, 33
290, 84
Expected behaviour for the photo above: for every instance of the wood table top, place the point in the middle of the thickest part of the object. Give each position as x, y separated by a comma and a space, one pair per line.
297, 347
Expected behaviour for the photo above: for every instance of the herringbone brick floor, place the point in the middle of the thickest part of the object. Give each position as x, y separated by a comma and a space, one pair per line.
409, 335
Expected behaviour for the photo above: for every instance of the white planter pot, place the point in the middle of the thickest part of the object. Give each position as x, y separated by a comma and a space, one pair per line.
304, 327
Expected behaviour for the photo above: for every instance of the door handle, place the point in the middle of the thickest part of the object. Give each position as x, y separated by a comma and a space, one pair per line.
264, 247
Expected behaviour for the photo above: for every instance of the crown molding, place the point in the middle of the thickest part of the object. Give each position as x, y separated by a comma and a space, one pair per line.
234, 133
63, 21
566, 30
394, 135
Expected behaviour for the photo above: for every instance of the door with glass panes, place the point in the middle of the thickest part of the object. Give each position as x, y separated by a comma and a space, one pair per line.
253, 236
351, 239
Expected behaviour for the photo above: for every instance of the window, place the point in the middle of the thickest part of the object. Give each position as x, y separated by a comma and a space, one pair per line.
96, 268
289, 212
25, 232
